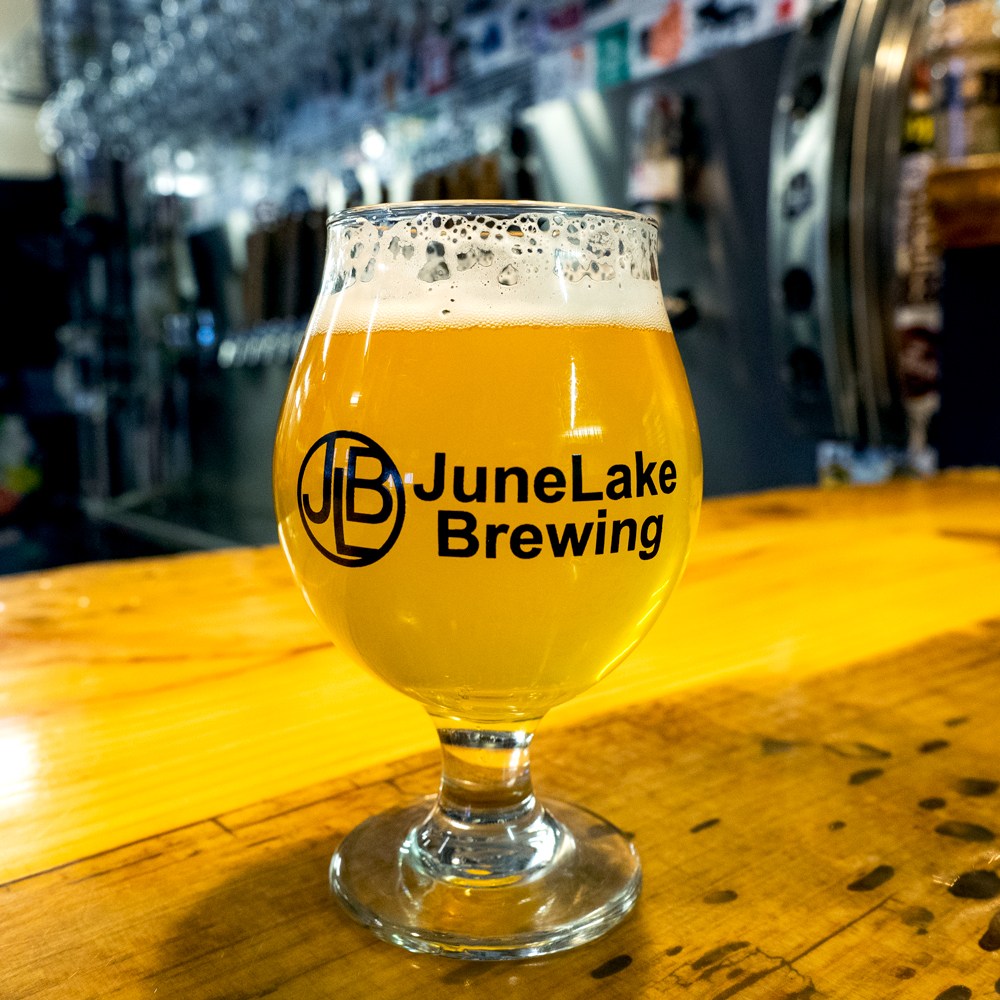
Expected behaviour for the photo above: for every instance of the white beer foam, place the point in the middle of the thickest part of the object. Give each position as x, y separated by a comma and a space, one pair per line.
417, 266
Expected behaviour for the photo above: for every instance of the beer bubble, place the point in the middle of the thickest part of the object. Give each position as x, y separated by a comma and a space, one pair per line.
568, 265
598, 243
344, 280
435, 269
509, 275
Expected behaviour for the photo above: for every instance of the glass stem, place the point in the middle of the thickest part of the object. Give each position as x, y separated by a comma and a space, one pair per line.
486, 826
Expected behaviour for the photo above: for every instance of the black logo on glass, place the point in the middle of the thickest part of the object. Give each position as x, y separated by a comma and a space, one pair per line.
350, 498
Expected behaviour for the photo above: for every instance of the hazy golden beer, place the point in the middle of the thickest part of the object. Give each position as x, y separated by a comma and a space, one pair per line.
550, 478
487, 475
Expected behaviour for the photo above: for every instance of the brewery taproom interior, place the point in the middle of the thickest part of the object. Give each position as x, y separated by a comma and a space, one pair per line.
826, 179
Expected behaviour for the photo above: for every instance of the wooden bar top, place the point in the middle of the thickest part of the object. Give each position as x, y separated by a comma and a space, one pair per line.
806, 749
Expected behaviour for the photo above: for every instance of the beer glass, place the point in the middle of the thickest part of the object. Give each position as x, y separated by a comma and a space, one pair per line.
487, 474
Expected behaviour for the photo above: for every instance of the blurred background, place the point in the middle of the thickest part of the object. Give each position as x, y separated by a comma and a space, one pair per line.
826, 178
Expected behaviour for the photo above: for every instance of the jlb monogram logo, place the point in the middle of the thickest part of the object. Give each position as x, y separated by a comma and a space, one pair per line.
351, 498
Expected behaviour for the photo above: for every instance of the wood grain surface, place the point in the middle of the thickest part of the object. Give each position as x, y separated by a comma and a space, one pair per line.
805, 749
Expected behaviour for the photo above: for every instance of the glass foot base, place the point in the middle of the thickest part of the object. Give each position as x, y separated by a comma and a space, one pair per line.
593, 881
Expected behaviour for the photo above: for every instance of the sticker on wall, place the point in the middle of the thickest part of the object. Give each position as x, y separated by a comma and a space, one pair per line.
499, 39
779, 15
564, 73
612, 55
657, 40
435, 57
564, 18
721, 23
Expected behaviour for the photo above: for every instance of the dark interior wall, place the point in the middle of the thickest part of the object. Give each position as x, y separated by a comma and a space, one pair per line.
33, 286
34, 304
